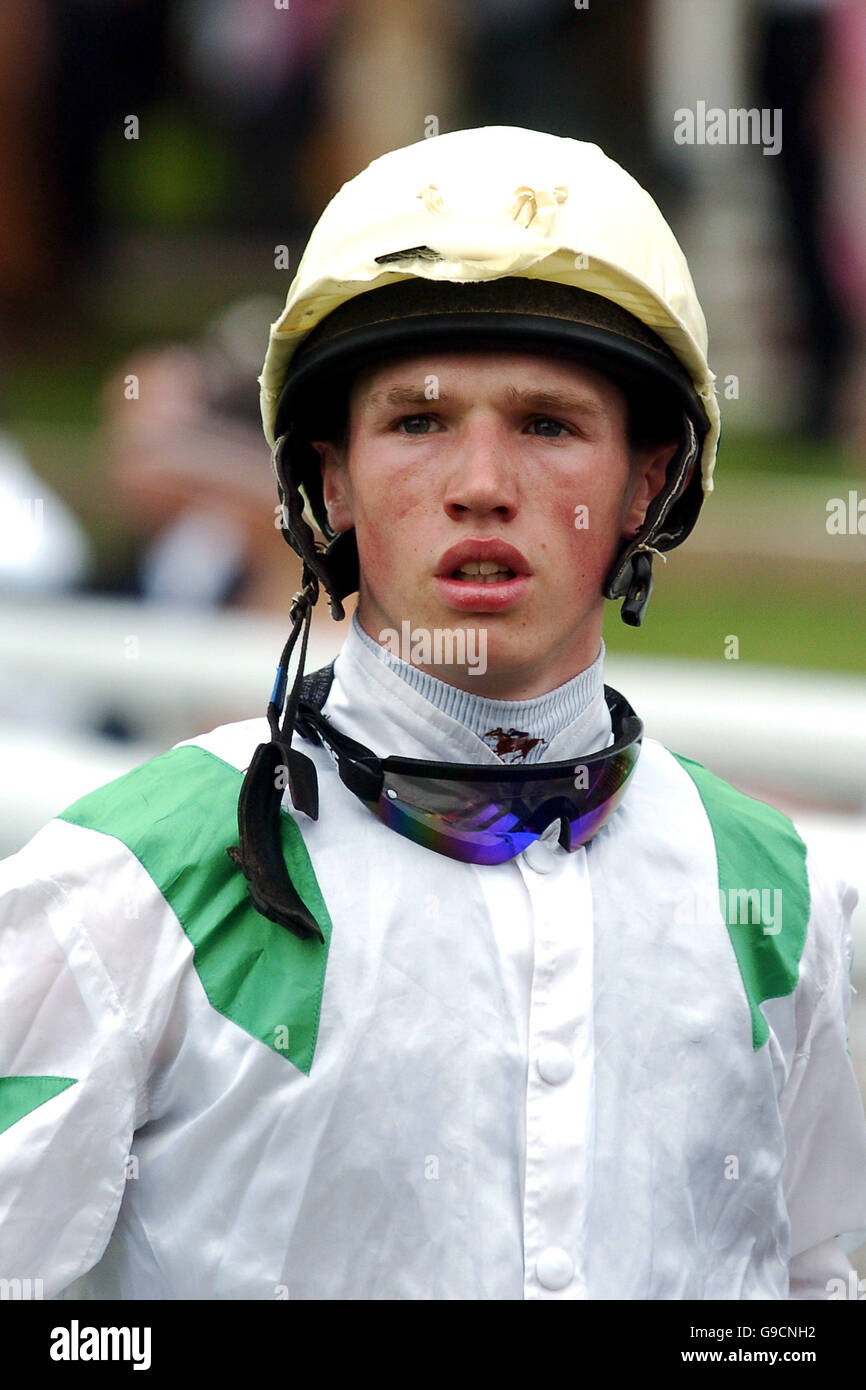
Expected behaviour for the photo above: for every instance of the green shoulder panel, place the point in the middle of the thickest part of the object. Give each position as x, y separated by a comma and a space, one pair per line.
763, 889
21, 1094
178, 815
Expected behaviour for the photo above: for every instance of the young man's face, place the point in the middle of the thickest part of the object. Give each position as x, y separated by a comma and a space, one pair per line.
518, 461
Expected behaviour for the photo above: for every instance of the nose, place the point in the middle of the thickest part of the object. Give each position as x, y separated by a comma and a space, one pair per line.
482, 478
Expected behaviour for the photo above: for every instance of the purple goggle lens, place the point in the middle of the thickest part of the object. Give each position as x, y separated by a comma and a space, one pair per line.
487, 815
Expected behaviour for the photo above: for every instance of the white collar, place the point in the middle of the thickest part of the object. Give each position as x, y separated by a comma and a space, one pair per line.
373, 704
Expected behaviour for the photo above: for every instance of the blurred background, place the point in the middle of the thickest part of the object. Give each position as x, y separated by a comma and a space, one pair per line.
162, 164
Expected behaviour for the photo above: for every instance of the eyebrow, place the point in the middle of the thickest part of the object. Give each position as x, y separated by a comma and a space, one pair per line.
542, 400
550, 399
397, 395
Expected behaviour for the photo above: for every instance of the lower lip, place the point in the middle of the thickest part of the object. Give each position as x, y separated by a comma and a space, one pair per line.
482, 598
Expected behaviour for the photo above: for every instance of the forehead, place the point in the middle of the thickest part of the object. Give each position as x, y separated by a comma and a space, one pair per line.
496, 375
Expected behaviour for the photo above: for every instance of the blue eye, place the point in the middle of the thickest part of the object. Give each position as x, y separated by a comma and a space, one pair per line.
407, 421
557, 425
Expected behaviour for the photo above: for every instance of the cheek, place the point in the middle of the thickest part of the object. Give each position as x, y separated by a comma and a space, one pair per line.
589, 514
390, 515
381, 560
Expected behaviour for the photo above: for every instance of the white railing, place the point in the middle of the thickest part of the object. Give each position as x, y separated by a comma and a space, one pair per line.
797, 739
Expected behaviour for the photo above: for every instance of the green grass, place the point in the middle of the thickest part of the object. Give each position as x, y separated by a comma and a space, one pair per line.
785, 454
814, 618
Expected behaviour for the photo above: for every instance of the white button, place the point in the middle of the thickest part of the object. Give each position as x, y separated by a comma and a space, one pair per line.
540, 857
555, 1064
554, 1268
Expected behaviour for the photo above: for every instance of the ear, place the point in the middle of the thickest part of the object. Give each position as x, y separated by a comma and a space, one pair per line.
648, 472
336, 491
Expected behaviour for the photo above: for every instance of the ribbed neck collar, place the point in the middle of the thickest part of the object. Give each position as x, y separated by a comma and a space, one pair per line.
516, 731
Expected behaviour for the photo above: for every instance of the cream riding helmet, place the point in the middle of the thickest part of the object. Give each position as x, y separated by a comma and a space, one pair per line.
505, 239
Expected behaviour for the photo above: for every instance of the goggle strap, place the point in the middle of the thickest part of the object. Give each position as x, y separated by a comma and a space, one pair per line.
259, 853
275, 765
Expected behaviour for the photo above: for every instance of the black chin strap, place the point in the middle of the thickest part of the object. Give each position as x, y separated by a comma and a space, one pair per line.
274, 766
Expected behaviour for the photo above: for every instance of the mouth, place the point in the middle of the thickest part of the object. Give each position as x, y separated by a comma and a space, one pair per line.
486, 575
482, 561
482, 572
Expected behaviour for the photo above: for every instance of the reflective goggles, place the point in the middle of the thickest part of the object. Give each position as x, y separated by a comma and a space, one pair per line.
483, 814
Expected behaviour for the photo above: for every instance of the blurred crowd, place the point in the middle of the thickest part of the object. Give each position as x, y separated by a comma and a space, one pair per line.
260, 109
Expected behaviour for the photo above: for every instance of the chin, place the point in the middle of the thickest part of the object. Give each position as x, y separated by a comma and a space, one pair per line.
506, 664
